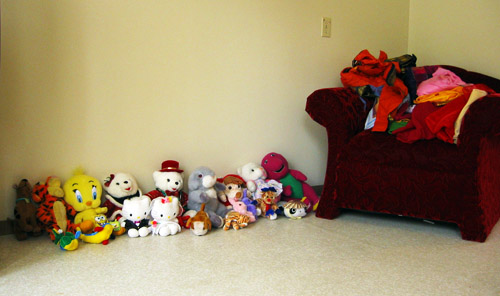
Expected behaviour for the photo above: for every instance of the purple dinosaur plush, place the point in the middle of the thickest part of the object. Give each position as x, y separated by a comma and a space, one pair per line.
294, 185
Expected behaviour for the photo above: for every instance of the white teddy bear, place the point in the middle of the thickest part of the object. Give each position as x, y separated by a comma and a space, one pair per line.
119, 187
164, 211
252, 172
169, 182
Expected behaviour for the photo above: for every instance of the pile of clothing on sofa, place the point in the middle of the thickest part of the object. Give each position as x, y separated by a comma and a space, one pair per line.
413, 103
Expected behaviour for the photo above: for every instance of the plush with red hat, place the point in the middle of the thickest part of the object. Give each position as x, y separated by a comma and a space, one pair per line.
169, 182
235, 194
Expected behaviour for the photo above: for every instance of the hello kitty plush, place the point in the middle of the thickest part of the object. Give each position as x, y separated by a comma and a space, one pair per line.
119, 187
251, 172
135, 212
169, 182
164, 211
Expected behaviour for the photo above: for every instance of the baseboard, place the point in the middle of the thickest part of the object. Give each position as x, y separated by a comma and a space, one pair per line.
318, 189
6, 225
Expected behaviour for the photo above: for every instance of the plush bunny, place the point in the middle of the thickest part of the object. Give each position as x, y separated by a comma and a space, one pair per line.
135, 211
119, 187
164, 211
202, 189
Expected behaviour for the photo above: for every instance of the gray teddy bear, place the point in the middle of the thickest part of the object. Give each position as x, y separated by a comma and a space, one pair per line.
202, 185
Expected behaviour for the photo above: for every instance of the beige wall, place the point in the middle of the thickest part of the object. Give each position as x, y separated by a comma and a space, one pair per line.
123, 85
463, 33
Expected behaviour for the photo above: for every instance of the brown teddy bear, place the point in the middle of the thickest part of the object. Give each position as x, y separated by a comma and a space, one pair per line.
25, 212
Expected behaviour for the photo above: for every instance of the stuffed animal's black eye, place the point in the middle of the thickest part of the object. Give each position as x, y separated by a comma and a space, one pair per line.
273, 155
265, 161
253, 170
168, 180
145, 213
130, 214
126, 182
229, 187
161, 215
200, 176
117, 183
293, 211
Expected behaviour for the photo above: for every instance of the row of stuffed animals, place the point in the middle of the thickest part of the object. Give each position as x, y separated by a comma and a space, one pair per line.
75, 211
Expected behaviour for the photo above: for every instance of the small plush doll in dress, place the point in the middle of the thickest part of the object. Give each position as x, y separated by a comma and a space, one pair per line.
135, 211
164, 211
119, 187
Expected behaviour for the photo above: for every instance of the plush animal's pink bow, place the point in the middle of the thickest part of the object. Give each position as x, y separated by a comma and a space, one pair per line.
166, 200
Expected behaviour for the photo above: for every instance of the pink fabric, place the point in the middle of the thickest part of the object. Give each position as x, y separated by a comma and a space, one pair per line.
442, 79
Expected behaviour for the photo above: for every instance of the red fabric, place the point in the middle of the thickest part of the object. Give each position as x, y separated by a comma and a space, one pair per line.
442, 122
417, 129
427, 179
377, 72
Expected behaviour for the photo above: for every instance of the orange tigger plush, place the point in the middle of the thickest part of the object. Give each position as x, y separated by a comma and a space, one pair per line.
53, 210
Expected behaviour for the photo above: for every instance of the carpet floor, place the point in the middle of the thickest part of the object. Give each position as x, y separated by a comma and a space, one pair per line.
355, 254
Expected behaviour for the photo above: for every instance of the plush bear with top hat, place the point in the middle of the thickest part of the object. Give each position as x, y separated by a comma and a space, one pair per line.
169, 182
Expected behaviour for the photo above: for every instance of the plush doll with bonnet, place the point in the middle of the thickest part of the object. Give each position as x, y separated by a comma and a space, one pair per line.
119, 187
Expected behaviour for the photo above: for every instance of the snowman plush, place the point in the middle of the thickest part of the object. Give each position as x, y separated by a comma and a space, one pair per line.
169, 182
119, 187
135, 212
164, 211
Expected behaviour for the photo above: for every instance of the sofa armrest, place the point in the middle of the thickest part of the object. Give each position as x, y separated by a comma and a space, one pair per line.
480, 121
342, 113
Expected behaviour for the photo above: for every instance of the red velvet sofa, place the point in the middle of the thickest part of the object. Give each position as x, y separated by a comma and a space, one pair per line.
428, 179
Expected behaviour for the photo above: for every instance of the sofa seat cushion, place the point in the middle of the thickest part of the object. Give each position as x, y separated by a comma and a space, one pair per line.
383, 149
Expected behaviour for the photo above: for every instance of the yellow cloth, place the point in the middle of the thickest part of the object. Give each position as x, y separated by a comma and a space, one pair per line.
474, 96
442, 97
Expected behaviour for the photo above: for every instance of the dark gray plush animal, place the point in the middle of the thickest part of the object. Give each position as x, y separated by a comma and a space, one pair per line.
202, 185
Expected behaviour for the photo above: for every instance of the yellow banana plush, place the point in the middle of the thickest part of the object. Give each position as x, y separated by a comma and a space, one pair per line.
98, 237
